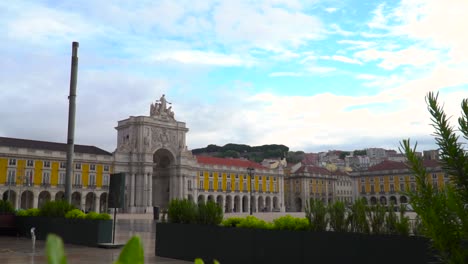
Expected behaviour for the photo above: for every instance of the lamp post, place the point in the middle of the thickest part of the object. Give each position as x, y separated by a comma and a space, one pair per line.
250, 170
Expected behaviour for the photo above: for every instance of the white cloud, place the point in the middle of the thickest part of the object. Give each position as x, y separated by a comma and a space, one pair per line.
320, 69
204, 58
338, 30
331, 9
345, 59
358, 44
414, 56
261, 25
290, 74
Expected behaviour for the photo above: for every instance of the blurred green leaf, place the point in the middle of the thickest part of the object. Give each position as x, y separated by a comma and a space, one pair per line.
132, 253
54, 250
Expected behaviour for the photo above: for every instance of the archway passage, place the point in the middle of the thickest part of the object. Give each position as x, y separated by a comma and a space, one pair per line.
27, 200
219, 201
403, 199
190, 198
59, 196
76, 200
373, 200
275, 203
201, 199
10, 195
245, 204
228, 207
44, 197
383, 200
237, 204
268, 204
163, 162
261, 204
298, 203
103, 203
393, 200
89, 202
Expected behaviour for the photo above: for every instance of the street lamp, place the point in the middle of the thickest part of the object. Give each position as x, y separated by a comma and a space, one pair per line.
250, 170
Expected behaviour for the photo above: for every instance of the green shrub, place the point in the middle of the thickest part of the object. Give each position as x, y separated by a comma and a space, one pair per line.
357, 219
291, 223
316, 213
6, 207
210, 213
75, 214
92, 215
376, 215
182, 211
232, 221
57, 208
337, 212
104, 216
28, 212
253, 222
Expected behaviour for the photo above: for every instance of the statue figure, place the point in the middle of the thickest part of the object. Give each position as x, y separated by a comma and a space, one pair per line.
159, 108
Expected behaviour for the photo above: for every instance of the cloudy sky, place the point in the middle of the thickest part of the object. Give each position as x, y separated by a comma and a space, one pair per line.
313, 75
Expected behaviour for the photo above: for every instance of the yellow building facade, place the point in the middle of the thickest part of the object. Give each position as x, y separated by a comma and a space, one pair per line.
386, 182
33, 172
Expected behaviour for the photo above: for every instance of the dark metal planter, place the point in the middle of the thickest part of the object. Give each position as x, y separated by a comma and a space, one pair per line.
7, 225
73, 231
238, 245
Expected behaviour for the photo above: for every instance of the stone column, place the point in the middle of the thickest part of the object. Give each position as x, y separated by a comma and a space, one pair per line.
97, 202
83, 202
145, 190
35, 200
150, 190
132, 190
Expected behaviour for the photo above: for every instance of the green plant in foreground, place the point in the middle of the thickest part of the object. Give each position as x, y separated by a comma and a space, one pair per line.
316, 213
232, 221
182, 211
29, 212
210, 213
132, 253
6, 207
357, 219
200, 261
443, 212
337, 212
291, 223
376, 215
253, 222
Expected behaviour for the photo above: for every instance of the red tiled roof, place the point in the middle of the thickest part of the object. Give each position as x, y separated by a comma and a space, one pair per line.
395, 165
312, 169
228, 162
47, 145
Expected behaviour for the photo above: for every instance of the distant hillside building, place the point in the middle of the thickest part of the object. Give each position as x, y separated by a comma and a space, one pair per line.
431, 154
32, 172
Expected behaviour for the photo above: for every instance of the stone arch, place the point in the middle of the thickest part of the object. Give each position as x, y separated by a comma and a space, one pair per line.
163, 163
275, 203
403, 199
393, 200
228, 207
268, 203
298, 204
103, 202
373, 200
60, 195
43, 198
210, 198
10, 195
245, 204
261, 204
201, 198
237, 204
90, 199
253, 204
383, 200
219, 200
76, 200
27, 199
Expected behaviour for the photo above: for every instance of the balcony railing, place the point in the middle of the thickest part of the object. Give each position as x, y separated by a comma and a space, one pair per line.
91, 186
107, 187
10, 183
78, 186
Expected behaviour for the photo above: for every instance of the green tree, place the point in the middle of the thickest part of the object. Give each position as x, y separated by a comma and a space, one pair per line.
443, 212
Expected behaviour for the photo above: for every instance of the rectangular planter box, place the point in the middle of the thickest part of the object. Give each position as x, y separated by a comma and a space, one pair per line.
7, 225
73, 231
238, 245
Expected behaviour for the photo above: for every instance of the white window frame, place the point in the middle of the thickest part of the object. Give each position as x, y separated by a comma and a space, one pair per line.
201, 185
30, 163
228, 186
45, 177
46, 164
12, 162
92, 179
92, 167
220, 185
77, 166
237, 186
63, 165
61, 180
11, 177
28, 177
189, 184
106, 168
77, 179
105, 179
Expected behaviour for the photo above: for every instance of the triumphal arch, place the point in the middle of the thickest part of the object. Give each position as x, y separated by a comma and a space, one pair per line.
152, 152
